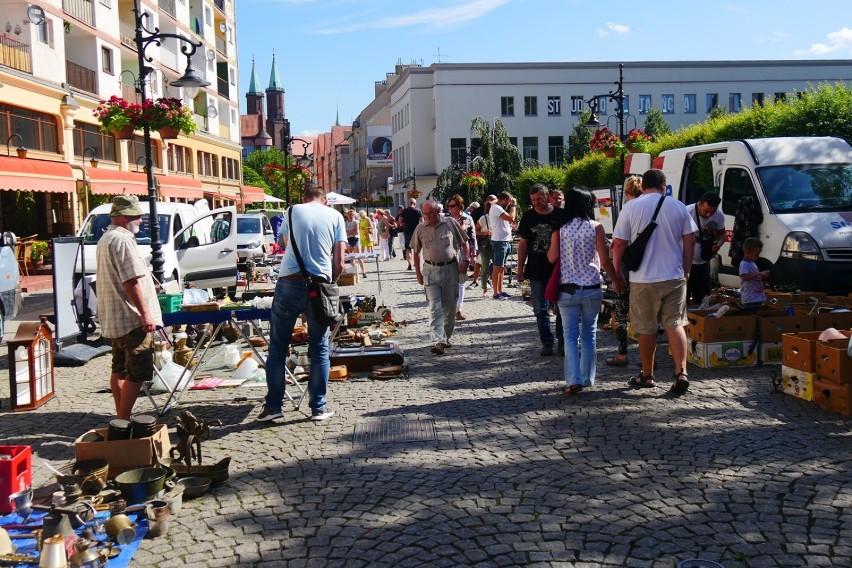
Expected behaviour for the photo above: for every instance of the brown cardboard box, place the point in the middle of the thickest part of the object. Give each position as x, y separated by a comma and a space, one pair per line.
833, 363
730, 327
722, 354
837, 320
772, 325
348, 279
797, 383
834, 397
799, 350
123, 455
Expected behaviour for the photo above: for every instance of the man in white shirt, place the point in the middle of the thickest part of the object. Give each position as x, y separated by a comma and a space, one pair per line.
501, 216
658, 286
709, 238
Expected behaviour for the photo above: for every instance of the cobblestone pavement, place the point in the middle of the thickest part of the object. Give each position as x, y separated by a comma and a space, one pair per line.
517, 475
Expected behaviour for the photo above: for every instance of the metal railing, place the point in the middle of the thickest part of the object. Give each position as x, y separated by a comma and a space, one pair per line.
225, 130
221, 47
81, 77
83, 10
168, 6
15, 54
127, 35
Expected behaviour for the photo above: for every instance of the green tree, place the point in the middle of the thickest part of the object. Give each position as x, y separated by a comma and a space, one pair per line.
551, 176
655, 125
283, 177
578, 140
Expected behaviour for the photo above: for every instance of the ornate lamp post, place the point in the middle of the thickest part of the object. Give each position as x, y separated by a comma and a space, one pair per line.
617, 96
191, 82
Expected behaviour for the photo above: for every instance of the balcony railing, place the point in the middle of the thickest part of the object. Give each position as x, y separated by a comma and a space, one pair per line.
127, 35
222, 87
168, 6
83, 10
225, 130
81, 77
15, 54
220, 45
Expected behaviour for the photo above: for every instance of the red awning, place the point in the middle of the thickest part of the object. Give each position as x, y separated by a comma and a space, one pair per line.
220, 196
36, 175
179, 187
114, 182
252, 194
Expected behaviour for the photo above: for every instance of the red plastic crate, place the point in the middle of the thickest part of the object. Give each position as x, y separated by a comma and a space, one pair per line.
16, 473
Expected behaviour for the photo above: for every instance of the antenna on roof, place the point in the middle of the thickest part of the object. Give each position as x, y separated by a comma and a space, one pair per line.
438, 55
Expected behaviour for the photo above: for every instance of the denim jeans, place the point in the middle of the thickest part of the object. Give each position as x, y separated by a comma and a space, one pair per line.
579, 318
540, 308
291, 300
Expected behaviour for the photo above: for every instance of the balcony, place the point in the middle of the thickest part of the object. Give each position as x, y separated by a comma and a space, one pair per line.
222, 87
220, 45
81, 77
83, 10
15, 54
225, 130
127, 35
220, 4
168, 6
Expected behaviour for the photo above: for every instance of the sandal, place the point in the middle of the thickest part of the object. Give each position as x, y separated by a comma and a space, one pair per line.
642, 381
572, 390
618, 361
681, 384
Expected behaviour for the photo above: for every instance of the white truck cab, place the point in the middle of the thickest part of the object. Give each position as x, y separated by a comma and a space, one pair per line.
190, 252
10, 281
803, 186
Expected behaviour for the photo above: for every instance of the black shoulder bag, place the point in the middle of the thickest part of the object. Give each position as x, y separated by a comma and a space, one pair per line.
323, 296
632, 258
705, 238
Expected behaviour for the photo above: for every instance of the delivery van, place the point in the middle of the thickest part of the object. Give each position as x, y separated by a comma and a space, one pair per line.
803, 188
190, 252
10, 281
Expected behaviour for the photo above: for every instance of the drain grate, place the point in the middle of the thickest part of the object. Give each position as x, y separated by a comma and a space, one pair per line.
394, 431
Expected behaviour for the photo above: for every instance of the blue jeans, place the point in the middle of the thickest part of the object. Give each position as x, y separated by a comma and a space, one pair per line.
291, 300
580, 317
540, 308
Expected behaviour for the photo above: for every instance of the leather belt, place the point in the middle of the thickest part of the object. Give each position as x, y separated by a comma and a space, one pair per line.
445, 263
296, 276
571, 288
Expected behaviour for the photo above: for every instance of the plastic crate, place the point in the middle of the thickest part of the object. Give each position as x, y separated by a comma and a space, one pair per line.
15, 473
170, 303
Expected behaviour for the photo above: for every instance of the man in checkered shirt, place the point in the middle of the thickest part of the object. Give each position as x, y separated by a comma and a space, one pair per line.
128, 308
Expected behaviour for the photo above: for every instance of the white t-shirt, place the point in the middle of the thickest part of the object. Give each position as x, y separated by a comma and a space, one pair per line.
663, 259
501, 230
712, 224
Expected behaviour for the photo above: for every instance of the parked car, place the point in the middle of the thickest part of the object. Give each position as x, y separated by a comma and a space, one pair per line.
10, 280
254, 236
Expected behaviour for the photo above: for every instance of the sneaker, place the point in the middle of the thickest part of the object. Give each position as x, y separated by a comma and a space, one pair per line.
547, 350
447, 344
267, 414
438, 349
473, 284
499, 297
325, 414
505, 295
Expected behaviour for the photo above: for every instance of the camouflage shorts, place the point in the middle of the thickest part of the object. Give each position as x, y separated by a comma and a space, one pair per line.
133, 354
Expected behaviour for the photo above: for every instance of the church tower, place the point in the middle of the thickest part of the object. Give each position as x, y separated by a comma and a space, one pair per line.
254, 96
277, 124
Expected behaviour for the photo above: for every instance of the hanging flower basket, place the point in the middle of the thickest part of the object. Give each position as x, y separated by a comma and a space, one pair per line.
124, 133
116, 114
414, 193
606, 141
472, 180
169, 133
638, 141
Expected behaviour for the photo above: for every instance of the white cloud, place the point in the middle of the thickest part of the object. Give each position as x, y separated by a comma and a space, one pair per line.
737, 9
435, 17
618, 29
601, 32
835, 41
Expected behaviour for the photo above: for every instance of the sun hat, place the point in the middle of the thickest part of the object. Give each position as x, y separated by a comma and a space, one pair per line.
125, 205
474, 205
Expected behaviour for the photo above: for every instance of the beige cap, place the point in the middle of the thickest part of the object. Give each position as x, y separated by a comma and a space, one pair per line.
125, 205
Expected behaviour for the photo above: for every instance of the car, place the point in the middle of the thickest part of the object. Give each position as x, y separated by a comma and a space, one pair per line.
254, 236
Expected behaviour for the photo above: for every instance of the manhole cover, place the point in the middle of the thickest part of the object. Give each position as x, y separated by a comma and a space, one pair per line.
698, 563
394, 431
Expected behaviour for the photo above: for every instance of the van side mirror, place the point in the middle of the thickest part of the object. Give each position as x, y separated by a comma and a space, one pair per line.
8, 239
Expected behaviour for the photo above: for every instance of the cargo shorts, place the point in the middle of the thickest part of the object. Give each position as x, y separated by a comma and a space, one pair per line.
657, 302
133, 354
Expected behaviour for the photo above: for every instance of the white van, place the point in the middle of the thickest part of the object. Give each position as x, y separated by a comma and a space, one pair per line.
10, 281
189, 251
803, 186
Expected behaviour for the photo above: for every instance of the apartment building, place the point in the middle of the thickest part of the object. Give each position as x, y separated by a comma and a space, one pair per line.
431, 108
60, 58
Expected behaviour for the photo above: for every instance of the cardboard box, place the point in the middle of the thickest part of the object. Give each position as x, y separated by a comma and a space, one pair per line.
798, 350
722, 354
837, 320
797, 383
730, 327
123, 455
773, 325
833, 363
348, 279
770, 354
840, 301
834, 397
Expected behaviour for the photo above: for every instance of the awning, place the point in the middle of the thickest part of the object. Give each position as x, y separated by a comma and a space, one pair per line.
114, 182
220, 196
252, 194
179, 187
36, 175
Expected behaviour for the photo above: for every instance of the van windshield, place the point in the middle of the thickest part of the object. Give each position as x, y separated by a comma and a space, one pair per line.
248, 225
800, 187
96, 225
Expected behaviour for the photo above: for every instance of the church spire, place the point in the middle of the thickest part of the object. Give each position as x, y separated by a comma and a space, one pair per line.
254, 84
337, 118
274, 79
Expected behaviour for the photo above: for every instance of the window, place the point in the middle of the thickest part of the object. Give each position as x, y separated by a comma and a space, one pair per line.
106, 61
530, 106
137, 152
757, 99
513, 140
230, 168
91, 136
507, 106
107, 3
232, 75
475, 147
667, 103
737, 185
555, 150
780, 97
180, 159
577, 105
208, 165
689, 104
554, 106
644, 104
39, 131
712, 101
530, 150
626, 104
208, 16
45, 32
458, 152
735, 101
602, 103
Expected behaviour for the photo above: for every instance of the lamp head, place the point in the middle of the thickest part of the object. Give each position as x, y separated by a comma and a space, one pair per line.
191, 82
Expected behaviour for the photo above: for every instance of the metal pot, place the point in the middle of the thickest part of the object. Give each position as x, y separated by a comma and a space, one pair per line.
140, 485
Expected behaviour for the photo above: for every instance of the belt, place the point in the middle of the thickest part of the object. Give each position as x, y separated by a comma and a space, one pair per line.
445, 263
296, 276
571, 288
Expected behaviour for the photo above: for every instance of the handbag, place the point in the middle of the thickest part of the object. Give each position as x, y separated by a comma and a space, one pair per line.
706, 244
632, 258
483, 242
551, 291
323, 296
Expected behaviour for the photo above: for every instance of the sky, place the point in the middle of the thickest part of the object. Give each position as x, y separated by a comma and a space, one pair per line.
329, 53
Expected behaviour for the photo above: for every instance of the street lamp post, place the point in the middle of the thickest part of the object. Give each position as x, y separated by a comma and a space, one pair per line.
617, 96
191, 83
304, 157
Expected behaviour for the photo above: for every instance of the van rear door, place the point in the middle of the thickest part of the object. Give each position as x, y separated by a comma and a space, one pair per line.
203, 260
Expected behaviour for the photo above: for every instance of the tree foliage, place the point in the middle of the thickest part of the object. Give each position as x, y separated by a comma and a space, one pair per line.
655, 124
553, 177
578, 140
280, 174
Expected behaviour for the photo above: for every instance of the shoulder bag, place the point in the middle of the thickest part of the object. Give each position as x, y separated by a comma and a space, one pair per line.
706, 243
323, 296
632, 258
483, 242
